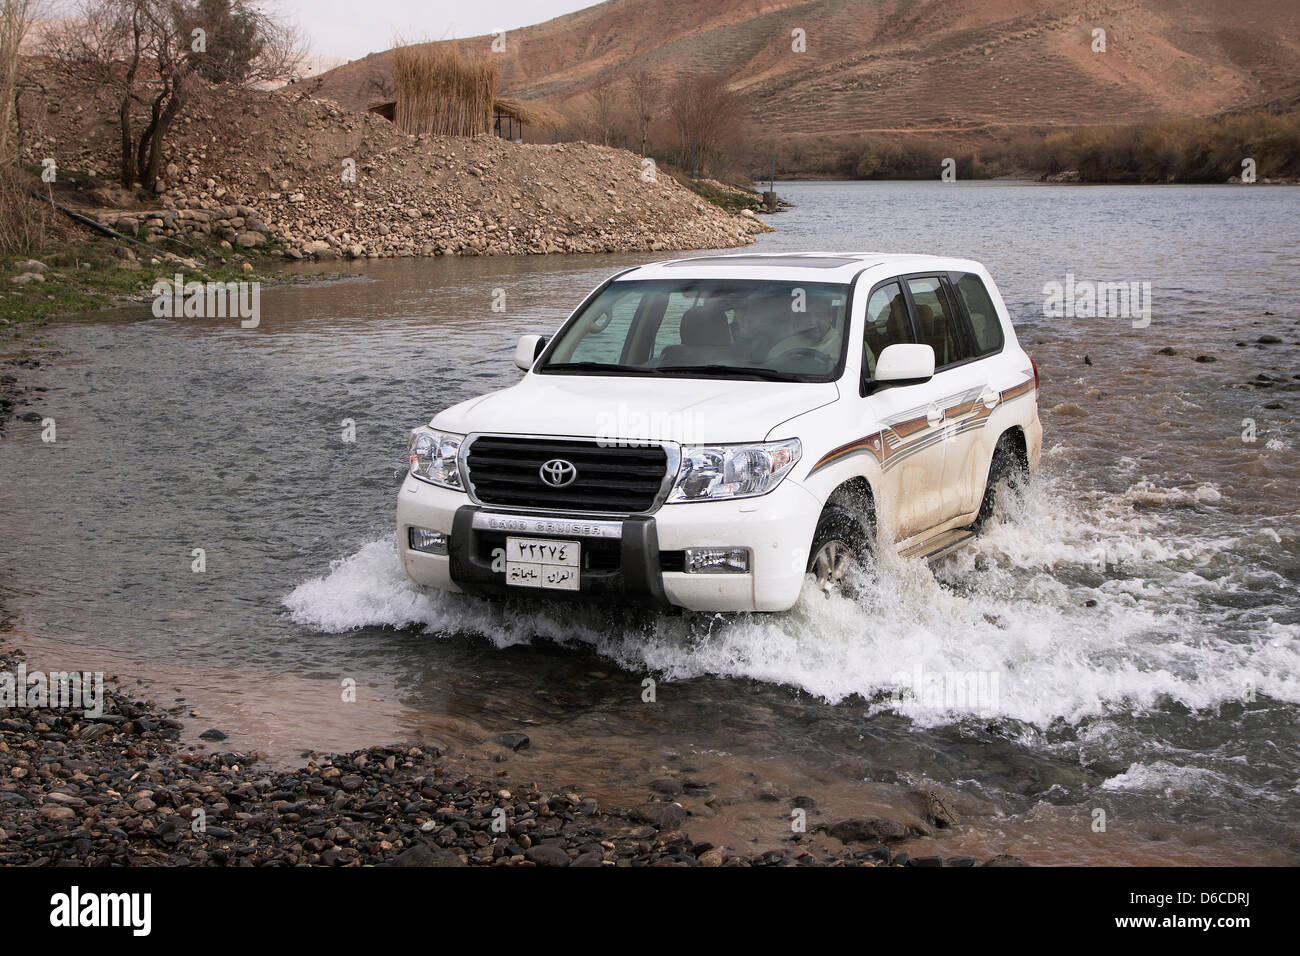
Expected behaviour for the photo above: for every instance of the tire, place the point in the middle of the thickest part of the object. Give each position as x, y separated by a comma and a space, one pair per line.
1008, 468
840, 543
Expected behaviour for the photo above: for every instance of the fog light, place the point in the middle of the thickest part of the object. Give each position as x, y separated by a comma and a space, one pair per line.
430, 542
717, 560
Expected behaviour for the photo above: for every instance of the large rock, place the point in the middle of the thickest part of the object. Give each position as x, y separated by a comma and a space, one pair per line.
868, 830
935, 811
663, 816
250, 240
548, 854
421, 855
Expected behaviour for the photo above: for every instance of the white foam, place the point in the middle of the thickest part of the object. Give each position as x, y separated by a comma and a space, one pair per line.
1168, 778
1010, 609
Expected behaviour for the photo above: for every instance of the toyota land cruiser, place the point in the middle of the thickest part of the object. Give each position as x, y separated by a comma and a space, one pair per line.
708, 432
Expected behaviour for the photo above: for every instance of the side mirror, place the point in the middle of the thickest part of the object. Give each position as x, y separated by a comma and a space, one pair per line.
905, 365
528, 350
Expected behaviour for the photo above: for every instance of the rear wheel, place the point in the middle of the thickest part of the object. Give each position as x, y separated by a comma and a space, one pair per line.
840, 545
1008, 469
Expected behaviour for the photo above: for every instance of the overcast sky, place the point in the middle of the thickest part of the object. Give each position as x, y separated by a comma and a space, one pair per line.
353, 28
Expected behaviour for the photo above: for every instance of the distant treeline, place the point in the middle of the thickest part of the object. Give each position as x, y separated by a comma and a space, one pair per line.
1163, 151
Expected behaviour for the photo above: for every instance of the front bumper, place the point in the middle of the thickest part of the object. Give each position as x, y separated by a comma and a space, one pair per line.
642, 565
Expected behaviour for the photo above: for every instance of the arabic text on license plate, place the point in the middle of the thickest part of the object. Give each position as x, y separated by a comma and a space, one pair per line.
543, 563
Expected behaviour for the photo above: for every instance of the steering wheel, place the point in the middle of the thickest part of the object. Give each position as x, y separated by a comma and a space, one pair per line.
821, 358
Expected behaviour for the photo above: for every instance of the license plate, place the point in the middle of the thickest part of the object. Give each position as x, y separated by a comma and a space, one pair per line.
543, 563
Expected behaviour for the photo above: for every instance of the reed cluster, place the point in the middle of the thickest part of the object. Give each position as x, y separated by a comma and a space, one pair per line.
443, 92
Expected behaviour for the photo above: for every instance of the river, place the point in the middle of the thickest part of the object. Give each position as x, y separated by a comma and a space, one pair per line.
1138, 608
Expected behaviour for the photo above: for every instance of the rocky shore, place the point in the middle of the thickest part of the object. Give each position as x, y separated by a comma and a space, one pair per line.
120, 789
300, 177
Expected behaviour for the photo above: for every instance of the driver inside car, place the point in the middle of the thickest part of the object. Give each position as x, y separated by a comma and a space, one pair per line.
819, 332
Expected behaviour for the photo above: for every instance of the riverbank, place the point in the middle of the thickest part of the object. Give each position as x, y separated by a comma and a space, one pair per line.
284, 173
81, 275
1252, 147
119, 788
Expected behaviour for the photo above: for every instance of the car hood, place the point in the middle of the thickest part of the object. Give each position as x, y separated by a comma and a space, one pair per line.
634, 408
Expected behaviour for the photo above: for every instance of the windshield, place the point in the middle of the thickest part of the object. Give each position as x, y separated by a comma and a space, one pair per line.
707, 328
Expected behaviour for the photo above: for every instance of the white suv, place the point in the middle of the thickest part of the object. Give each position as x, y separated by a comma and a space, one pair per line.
706, 432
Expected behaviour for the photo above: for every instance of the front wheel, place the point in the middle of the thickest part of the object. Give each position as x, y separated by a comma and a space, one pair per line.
840, 545
1008, 469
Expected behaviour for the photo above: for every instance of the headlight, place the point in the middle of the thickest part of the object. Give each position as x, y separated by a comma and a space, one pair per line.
433, 456
710, 472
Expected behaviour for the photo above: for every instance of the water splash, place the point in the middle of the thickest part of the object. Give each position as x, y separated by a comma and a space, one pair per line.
1066, 609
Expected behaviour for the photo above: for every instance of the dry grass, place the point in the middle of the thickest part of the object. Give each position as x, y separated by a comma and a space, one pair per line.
537, 115
25, 222
442, 92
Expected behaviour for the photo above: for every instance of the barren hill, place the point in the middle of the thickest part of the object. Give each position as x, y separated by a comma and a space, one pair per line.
973, 69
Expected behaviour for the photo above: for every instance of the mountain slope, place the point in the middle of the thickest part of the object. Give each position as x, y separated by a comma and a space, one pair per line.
974, 68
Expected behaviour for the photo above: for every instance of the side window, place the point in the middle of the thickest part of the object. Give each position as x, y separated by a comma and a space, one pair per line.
936, 323
983, 315
887, 324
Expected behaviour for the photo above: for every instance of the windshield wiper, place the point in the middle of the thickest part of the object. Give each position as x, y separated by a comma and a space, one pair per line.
729, 371
596, 368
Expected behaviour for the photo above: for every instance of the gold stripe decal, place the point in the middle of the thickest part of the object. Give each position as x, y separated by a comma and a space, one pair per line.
895, 442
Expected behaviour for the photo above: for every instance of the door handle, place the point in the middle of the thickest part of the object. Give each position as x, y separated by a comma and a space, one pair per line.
935, 415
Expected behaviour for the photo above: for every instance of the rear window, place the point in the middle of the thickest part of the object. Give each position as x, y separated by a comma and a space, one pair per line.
984, 319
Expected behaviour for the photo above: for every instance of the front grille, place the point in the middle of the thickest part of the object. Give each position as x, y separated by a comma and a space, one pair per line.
505, 471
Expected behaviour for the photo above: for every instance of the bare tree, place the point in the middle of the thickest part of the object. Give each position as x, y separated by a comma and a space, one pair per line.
23, 221
706, 115
16, 18
157, 55
602, 108
644, 96
380, 87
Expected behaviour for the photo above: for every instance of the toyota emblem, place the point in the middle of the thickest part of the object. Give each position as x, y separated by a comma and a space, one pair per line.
558, 473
